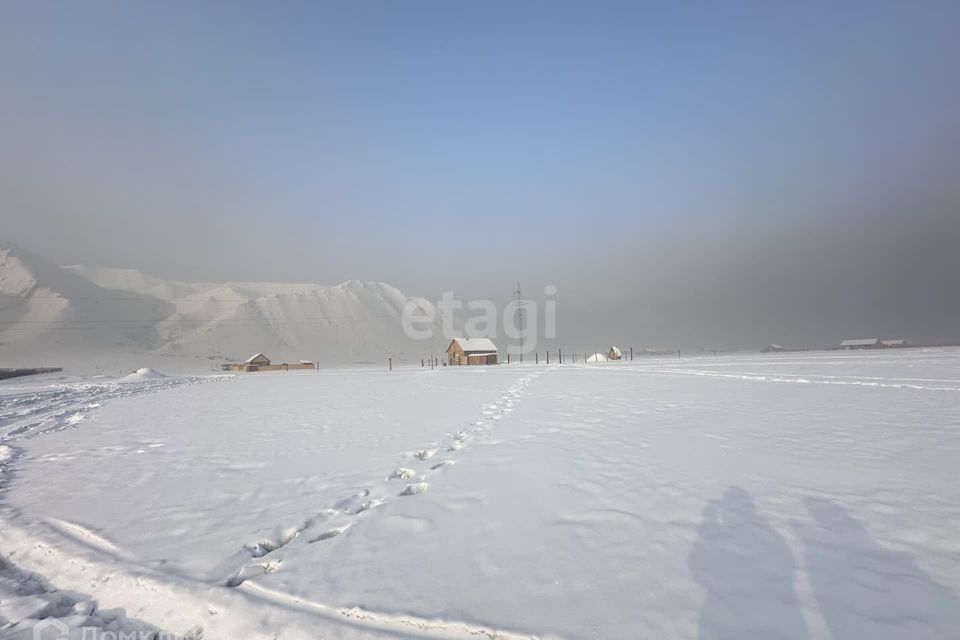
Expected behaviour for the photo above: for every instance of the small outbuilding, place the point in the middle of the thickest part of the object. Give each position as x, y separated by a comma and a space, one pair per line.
471, 351
614, 354
772, 348
861, 343
892, 344
260, 362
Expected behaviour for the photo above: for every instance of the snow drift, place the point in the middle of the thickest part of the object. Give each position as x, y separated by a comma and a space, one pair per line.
142, 375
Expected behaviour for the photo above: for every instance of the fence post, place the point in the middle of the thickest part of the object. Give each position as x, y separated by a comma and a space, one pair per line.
536, 357
631, 354
560, 355
548, 356
390, 361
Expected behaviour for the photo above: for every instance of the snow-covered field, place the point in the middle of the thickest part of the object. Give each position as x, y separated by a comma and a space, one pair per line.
804, 495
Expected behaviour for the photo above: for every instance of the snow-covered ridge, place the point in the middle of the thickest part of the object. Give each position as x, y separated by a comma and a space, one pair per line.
49, 313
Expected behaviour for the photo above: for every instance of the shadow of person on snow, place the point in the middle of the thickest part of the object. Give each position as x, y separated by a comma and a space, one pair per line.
748, 572
866, 591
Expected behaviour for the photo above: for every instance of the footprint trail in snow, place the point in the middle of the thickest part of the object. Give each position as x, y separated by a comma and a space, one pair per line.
410, 479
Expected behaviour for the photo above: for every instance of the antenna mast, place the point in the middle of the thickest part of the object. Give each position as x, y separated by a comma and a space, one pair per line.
520, 329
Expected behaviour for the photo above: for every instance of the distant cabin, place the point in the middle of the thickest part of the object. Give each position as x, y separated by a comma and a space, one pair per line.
861, 343
471, 351
260, 362
772, 348
614, 353
895, 343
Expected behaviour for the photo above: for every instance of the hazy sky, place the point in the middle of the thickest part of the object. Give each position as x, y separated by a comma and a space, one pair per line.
717, 174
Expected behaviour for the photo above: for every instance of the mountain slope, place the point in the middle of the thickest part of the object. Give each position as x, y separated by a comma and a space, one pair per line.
44, 305
94, 313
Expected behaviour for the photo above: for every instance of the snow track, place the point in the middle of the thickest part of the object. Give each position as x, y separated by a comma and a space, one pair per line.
147, 594
33, 413
27, 595
870, 381
420, 466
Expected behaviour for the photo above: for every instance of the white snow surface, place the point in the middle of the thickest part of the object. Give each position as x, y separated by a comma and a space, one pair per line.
780, 496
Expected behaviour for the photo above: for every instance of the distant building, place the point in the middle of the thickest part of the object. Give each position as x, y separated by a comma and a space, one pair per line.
260, 362
472, 351
861, 343
15, 373
771, 348
614, 353
895, 343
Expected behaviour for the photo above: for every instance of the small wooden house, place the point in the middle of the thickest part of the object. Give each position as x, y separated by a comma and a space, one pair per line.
614, 354
471, 351
258, 359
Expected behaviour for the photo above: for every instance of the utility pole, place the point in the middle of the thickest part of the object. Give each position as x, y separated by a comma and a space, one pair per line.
520, 330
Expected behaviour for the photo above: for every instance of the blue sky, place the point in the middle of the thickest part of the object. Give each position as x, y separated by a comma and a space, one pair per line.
384, 140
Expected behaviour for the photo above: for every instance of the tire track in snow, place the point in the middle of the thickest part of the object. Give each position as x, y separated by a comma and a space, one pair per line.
886, 383
27, 415
418, 468
62, 406
84, 562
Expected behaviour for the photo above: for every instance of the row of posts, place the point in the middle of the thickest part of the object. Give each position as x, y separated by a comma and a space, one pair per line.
433, 361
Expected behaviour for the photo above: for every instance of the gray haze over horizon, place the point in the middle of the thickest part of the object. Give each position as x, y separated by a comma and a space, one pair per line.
715, 176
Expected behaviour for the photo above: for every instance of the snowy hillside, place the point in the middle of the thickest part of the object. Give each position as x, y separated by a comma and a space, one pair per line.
46, 309
96, 317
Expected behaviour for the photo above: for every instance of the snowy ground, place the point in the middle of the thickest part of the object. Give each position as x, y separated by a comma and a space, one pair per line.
809, 495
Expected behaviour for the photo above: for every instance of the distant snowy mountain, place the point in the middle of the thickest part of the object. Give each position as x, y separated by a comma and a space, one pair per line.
51, 314
45, 307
